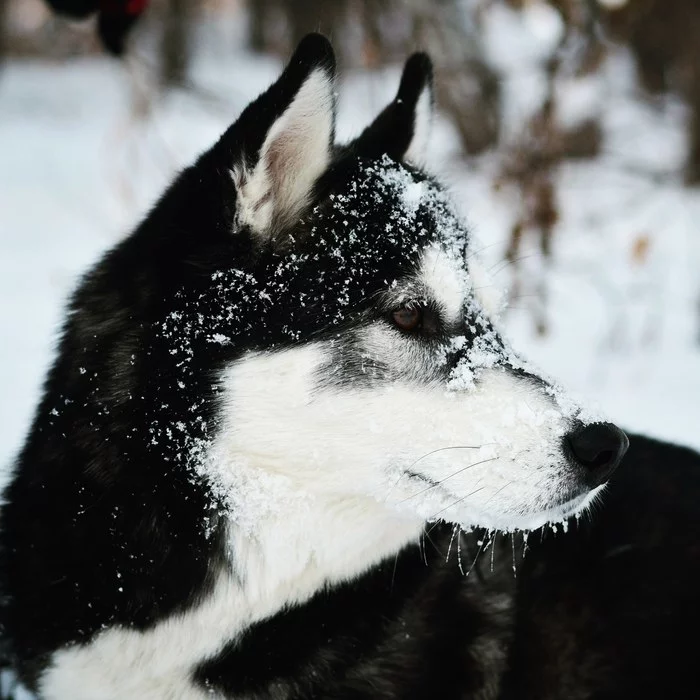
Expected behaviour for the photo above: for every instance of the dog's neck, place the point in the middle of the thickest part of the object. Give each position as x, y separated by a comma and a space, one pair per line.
277, 559
307, 544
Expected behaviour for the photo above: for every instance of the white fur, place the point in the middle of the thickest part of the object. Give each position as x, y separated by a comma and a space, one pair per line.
329, 444
292, 436
287, 540
422, 128
323, 482
491, 297
295, 548
296, 151
446, 281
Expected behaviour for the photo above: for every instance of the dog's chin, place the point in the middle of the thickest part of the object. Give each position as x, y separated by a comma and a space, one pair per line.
525, 522
574, 507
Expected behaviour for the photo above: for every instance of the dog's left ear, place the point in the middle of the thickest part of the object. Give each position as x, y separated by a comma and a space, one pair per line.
402, 130
292, 127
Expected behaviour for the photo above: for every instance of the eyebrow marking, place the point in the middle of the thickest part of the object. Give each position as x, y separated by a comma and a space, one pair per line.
445, 281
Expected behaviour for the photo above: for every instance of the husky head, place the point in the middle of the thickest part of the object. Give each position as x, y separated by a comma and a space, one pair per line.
328, 337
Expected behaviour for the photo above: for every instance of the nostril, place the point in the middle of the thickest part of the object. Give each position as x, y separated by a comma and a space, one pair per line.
598, 448
601, 459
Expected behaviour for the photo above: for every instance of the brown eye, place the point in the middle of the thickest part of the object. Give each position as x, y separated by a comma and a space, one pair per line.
408, 318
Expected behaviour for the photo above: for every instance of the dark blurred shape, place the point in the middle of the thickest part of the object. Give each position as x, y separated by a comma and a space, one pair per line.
257, 17
3, 29
115, 18
583, 141
31, 28
77, 9
175, 44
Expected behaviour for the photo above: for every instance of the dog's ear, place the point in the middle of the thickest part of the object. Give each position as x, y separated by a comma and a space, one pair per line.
288, 135
402, 130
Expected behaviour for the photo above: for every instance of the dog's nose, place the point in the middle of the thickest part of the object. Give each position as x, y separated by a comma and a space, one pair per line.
598, 448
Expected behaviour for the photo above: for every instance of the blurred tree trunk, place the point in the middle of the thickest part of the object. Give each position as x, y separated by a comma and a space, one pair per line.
692, 168
176, 41
692, 68
3, 29
258, 13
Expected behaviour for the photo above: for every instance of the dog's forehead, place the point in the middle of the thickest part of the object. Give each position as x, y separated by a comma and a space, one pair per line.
384, 227
382, 210
401, 222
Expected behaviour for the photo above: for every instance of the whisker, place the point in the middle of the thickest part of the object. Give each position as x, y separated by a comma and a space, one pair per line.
493, 547
434, 525
493, 495
507, 263
449, 546
524, 296
440, 449
427, 536
456, 447
472, 253
442, 481
459, 551
459, 500
393, 573
478, 552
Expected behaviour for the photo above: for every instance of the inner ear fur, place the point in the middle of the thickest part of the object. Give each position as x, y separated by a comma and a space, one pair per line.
295, 122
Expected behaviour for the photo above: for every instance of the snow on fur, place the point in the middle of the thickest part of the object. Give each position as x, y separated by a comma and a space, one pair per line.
342, 247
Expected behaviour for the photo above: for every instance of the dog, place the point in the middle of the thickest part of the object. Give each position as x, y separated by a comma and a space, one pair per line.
283, 427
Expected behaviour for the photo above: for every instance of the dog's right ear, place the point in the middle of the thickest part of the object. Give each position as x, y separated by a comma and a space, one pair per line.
286, 140
402, 130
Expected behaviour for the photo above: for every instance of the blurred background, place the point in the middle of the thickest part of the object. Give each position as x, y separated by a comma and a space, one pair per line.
568, 130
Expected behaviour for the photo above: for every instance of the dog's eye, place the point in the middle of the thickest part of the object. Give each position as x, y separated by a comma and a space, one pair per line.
408, 318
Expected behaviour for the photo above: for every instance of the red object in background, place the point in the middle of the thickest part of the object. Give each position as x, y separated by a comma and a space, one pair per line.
128, 7
115, 17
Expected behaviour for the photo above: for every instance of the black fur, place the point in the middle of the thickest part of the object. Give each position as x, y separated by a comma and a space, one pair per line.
408, 629
610, 610
392, 131
105, 523
107, 520
605, 610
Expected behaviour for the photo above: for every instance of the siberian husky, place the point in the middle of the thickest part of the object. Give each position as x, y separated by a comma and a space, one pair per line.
277, 408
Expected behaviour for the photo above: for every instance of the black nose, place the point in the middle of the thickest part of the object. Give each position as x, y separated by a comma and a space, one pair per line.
598, 448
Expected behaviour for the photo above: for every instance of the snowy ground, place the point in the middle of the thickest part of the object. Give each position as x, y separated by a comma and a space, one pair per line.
76, 173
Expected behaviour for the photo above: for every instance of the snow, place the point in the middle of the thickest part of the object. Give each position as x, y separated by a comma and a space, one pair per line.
518, 41
77, 172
